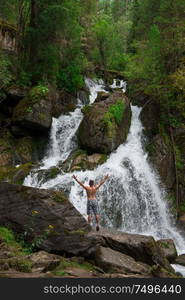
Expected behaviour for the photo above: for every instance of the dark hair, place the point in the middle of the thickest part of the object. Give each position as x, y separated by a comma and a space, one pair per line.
91, 182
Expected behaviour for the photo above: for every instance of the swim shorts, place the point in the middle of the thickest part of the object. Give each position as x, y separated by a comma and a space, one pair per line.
92, 207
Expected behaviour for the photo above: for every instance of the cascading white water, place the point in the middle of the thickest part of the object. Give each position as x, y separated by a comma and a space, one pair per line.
119, 84
63, 135
62, 138
132, 199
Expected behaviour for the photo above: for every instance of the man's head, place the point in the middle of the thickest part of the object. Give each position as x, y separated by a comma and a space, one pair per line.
91, 182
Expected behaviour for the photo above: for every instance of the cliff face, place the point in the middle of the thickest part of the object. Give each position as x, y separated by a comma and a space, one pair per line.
166, 149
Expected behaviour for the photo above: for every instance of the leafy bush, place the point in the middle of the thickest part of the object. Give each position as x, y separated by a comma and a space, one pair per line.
38, 92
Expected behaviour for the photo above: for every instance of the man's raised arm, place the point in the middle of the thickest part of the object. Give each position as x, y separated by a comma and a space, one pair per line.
79, 182
102, 182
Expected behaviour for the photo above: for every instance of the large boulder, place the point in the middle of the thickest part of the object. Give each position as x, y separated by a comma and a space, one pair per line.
168, 248
45, 216
141, 248
105, 124
112, 261
34, 112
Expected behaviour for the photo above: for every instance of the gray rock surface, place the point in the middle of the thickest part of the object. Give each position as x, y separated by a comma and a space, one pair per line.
46, 212
168, 248
112, 261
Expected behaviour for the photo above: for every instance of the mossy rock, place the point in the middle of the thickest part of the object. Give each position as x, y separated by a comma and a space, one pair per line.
16, 263
66, 264
12, 255
34, 112
161, 272
24, 149
14, 174
106, 124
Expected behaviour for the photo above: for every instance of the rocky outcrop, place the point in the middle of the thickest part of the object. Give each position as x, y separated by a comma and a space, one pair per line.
141, 248
105, 125
50, 214
168, 248
33, 114
112, 261
162, 158
150, 116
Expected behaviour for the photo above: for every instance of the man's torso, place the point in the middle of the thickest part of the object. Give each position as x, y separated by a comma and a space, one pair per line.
91, 193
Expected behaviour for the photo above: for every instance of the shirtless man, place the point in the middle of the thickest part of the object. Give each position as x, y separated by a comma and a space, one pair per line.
92, 204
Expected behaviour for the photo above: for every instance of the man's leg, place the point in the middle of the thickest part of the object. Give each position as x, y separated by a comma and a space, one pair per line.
97, 222
89, 212
90, 220
97, 219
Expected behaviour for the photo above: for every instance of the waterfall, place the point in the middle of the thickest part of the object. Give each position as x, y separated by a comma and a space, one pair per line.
132, 199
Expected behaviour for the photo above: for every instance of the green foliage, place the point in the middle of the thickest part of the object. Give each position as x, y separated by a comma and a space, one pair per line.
70, 78
115, 113
38, 92
110, 41
117, 110
8, 237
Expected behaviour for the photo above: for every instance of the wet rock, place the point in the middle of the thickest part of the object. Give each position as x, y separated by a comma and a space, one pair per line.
83, 95
168, 248
180, 260
54, 219
105, 125
80, 160
87, 162
45, 175
112, 261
